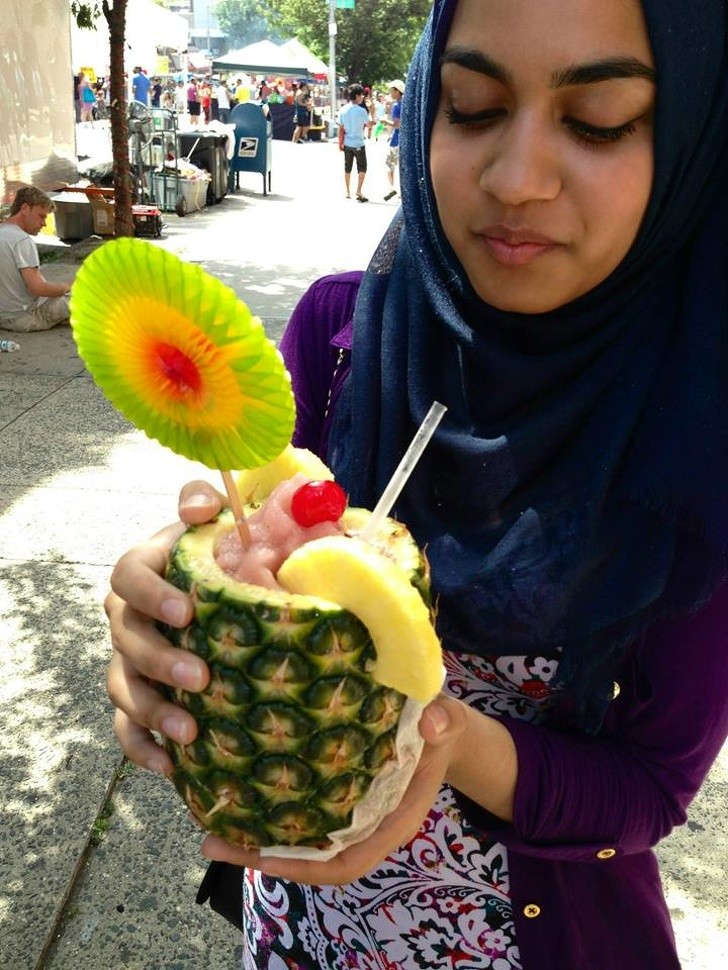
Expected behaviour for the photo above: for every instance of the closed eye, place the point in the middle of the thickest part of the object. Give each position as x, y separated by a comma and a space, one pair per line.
477, 119
595, 135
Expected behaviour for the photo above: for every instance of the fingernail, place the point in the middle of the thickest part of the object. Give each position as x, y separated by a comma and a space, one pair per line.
158, 764
187, 675
174, 611
438, 718
176, 728
198, 500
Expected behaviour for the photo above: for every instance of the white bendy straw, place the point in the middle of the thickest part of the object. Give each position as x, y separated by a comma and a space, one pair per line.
403, 470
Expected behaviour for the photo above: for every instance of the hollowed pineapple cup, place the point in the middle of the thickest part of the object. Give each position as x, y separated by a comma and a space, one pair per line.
304, 741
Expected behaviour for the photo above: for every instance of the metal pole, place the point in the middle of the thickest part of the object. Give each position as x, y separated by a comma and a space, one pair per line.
332, 63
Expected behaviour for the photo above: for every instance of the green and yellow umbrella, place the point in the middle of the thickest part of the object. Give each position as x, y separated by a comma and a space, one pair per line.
181, 357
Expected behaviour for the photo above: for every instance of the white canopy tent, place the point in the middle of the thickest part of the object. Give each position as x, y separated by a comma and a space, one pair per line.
263, 57
147, 28
315, 65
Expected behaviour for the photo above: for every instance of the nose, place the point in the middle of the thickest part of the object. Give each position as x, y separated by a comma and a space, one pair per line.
523, 165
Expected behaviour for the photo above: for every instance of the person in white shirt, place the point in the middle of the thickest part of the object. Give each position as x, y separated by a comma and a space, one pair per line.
223, 102
28, 301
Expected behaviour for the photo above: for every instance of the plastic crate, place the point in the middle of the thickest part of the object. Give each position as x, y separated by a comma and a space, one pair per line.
170, 192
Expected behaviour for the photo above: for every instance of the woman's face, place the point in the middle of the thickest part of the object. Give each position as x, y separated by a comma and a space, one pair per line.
541, 152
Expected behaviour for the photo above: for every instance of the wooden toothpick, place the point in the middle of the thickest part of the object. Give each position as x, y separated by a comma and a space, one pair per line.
237, 506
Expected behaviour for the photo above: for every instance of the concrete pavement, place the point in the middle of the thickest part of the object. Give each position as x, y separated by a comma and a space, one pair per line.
100, 865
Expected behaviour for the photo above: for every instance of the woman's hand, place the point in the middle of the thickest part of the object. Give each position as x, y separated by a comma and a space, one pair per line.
442, 725
139, 597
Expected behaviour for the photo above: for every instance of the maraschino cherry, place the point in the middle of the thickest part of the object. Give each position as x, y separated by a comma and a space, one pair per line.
317, 502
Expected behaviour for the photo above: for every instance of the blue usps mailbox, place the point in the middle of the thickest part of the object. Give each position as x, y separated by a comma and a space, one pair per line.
253, 144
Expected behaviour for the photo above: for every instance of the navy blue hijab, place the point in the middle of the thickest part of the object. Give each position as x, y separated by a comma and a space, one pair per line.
577, 489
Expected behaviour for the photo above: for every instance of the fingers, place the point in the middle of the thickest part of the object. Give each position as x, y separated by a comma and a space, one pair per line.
135, 637
140, 747
137, 580
131, 692
199, 502
142, 654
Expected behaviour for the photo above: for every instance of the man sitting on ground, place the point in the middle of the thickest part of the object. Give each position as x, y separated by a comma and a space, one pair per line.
28, 301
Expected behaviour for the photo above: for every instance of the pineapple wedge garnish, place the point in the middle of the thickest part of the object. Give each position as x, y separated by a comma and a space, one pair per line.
359, 578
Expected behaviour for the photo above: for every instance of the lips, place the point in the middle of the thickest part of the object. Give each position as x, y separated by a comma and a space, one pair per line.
515, 247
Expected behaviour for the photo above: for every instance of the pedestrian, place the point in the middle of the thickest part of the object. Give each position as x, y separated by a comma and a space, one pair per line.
223, 102
368, 103
180, 98
353, 123
205, 97
302, 113
28, 302
556, 276
77, 95
242, 91
393, 121
193, 102
214, 105
156, 92
262, 99
140, 86
87, 99
380, 113
101, 94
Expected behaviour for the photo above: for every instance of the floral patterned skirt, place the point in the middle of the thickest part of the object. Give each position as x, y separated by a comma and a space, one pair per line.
439, 902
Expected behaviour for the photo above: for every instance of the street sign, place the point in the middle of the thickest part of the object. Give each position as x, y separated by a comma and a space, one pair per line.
345, 4
248, 147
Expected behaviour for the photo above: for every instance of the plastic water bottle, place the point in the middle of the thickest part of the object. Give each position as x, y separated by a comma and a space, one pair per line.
8, 346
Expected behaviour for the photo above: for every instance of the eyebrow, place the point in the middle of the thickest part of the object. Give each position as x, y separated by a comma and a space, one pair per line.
606, 69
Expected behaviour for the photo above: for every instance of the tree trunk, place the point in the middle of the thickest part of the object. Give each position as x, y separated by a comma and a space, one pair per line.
115, 14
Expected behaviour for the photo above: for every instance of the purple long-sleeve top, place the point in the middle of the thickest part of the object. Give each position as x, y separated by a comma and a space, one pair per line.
585, 885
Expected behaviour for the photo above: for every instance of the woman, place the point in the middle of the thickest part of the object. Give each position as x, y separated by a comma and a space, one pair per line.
205, 96
557, 278
193, 102
87, 97
302, 118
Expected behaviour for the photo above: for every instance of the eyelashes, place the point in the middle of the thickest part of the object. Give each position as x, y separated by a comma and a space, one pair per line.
478, 119
594, 135
581, 130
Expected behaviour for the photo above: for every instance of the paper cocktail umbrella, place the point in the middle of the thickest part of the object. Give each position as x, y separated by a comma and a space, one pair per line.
181, 357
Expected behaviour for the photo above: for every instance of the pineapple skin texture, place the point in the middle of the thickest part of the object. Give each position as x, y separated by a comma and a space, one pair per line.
292, 727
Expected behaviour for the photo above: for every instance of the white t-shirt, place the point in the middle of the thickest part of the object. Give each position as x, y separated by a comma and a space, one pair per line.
17, 251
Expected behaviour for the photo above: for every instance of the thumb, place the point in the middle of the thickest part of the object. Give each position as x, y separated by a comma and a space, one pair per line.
443, 720
199, 502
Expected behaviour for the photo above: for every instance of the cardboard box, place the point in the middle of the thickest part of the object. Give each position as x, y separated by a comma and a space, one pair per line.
103, 214
73, 216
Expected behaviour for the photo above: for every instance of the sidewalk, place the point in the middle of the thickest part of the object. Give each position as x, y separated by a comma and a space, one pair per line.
100, 865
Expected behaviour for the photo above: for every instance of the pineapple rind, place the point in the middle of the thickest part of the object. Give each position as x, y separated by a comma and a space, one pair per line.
292, 728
